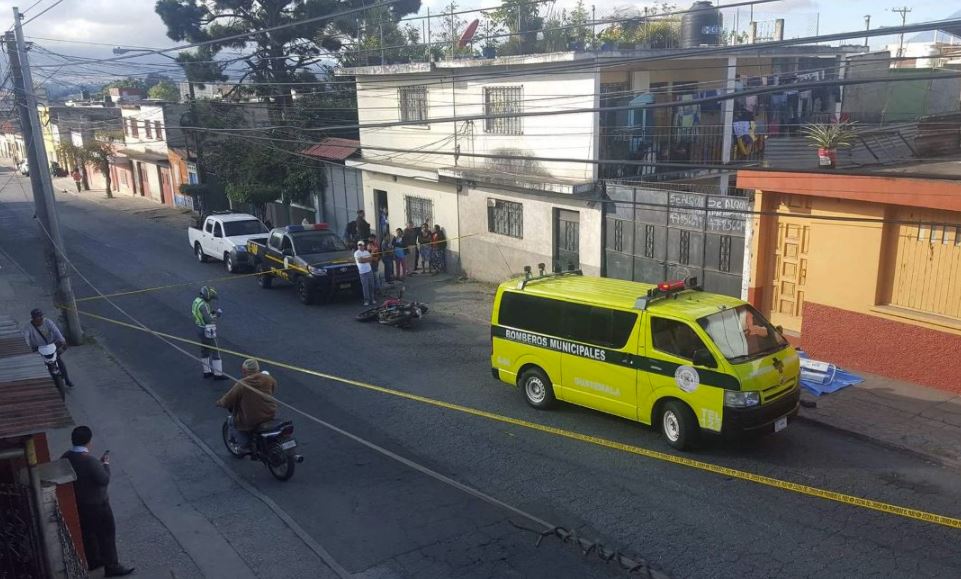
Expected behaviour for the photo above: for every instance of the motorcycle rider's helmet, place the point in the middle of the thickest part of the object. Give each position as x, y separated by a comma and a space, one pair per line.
208, 293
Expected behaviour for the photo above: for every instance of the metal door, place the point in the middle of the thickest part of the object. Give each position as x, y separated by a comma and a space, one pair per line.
655, 235
567, 236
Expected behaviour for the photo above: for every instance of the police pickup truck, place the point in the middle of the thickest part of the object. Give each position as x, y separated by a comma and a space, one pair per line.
311, 257
224, 236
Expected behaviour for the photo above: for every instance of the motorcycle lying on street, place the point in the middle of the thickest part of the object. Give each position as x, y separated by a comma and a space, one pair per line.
52, 359
394, 312
272, 444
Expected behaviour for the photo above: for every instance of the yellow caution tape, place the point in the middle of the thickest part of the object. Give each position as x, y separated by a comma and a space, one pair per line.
802, 489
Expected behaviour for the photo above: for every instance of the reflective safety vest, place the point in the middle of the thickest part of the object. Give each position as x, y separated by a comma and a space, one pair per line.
200, 315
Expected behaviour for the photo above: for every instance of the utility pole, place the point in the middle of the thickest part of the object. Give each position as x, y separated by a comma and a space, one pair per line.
903, 11
867, 28
44, 200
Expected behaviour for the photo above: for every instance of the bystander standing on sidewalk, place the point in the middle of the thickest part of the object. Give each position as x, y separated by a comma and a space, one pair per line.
438, 252
400, 253
410, 245
93, 504
374, 248
387, 256
362, 258
77, 178
424, 246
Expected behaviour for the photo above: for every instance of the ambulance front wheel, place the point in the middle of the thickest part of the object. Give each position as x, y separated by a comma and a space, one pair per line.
678, 425
537, 388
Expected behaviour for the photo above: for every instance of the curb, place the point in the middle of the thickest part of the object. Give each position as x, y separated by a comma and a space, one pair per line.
939, 460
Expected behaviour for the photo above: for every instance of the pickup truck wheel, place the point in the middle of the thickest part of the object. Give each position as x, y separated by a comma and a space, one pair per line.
304, 291
264, 280
678, 425
229, 264
199, 252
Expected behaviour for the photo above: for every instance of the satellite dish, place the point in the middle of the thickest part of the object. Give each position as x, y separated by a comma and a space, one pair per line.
468, 34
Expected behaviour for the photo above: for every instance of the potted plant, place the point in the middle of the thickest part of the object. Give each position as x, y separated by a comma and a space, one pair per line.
827, 138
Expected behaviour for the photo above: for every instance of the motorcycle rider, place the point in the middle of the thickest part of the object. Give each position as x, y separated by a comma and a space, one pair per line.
250, 402
41, 332
205, 318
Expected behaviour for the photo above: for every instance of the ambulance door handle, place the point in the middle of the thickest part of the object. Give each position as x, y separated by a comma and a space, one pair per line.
653, 367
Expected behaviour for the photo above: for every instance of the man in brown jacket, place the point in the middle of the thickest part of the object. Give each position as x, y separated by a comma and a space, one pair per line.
250, 402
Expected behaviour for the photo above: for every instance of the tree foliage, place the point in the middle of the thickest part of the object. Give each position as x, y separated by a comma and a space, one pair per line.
98, 154
165, 90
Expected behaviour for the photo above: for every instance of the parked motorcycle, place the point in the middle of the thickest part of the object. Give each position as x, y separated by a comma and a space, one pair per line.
272, 444
52, 359
394, 312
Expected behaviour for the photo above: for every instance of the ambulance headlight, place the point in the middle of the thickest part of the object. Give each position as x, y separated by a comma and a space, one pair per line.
733, 399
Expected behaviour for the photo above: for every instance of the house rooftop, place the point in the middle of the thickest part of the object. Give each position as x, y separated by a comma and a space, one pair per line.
609, 57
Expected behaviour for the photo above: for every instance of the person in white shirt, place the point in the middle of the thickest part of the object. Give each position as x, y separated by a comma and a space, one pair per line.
363, 258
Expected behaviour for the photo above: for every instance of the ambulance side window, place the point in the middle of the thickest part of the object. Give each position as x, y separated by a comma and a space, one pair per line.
529, 313
597, 325
674, 338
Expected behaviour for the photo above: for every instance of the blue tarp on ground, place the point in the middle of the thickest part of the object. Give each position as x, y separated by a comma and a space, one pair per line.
823, 378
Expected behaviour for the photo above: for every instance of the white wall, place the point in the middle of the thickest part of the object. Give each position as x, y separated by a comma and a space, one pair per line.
141, 142
567, 136
443, 195
494, 257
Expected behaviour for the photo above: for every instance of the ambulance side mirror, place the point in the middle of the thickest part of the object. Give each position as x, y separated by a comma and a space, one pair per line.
703, 357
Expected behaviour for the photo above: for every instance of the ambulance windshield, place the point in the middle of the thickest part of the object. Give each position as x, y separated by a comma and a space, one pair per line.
742, 334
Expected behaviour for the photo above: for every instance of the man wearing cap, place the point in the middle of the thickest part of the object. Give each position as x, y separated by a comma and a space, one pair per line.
40, 332
363, 259
250, 402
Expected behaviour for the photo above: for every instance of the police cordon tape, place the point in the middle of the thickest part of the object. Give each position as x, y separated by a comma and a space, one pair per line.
234, 277
879, 506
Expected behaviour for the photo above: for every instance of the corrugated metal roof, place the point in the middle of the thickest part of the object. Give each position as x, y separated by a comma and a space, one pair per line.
333, 149
29, 400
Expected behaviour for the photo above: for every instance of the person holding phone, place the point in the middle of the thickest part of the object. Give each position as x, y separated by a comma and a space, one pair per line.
97, 524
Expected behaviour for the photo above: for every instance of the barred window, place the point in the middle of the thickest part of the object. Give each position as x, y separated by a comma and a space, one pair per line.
413, 103
419, 210
501, 100
505, 218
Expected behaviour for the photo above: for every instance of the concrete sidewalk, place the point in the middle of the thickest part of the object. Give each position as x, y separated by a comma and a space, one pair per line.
899, 415
180, 511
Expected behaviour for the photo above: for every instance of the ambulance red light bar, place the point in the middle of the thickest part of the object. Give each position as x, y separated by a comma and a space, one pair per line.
672, 286
666, 289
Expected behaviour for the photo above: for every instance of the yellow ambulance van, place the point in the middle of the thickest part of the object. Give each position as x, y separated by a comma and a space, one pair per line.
667, 355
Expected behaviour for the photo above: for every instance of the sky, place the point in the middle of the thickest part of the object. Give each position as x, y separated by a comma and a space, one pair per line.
134, 23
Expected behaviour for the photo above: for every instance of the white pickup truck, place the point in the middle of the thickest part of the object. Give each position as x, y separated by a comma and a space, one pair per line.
224, 236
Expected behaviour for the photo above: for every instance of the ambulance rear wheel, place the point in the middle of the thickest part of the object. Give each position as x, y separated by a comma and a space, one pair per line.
537, 388
678, 425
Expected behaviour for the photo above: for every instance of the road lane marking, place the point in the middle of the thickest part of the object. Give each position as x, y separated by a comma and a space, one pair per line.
802, 489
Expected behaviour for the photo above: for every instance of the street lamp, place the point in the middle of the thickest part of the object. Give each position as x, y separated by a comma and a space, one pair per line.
867, 27
118, 50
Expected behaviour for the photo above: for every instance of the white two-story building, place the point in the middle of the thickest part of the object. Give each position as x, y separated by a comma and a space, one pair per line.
515, 156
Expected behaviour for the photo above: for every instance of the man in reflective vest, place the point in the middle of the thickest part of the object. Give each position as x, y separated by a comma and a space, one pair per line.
206, 320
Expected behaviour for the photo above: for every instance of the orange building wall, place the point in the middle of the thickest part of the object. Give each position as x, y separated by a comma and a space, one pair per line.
843, 319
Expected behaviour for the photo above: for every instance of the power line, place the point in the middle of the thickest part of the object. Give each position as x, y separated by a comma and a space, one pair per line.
44, 11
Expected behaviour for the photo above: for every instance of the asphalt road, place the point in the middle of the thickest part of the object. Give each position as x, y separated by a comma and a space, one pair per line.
380, 518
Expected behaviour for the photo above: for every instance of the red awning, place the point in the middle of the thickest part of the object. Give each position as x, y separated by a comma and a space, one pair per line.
333, 149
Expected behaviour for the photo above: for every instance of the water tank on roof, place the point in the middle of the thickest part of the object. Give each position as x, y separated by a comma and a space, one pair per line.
702, 25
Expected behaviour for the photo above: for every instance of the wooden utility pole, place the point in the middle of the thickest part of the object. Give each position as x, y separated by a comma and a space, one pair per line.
42, 184
903, 11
